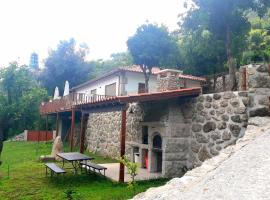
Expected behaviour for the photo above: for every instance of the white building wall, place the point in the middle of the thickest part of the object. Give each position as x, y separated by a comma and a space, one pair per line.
99, 85
133, 80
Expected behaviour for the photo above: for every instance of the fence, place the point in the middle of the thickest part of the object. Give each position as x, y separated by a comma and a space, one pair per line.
39, 135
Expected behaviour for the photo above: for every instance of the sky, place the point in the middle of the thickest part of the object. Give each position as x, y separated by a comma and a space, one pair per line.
104, 25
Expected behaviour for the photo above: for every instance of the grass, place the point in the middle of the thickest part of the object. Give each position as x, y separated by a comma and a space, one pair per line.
22, 177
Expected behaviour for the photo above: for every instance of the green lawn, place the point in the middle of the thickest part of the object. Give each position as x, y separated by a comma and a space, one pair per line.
22, 176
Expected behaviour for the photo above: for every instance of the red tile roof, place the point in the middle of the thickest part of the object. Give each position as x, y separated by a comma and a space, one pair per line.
190, 77
136, 68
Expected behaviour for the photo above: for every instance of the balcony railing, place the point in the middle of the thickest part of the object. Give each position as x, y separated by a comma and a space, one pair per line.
66, 103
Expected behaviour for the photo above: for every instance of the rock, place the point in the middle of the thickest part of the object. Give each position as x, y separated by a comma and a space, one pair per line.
215, 135
261, 112
262, 69
216, 96
57, 148
209, 126
203, 154
196, 127
243, 94
244, 118
201, 138
212, 112
236, 118
226, 135
223, 103
234, 102
225, 118
228, 95
211, 144
195, 147
221, 111
199, 119
215, 106
201, 98
208, 98
218, 148
235, 129
261, 81
207, 105
229, 110
240, 110
245, 101
264, 101
222, 125
214, 152
200, 106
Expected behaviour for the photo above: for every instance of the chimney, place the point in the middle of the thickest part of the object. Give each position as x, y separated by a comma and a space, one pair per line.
168, 79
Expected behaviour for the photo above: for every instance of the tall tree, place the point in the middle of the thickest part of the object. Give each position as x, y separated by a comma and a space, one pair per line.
152, 45
20, 97
66, 63
228, 21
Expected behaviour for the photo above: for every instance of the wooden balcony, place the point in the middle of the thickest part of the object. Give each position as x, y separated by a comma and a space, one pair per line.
70, 101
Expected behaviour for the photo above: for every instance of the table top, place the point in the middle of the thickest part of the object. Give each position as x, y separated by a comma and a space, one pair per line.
74, 156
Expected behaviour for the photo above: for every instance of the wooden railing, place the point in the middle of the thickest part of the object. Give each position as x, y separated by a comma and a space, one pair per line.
68, 102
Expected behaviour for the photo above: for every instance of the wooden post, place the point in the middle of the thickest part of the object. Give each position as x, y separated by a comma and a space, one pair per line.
84, 120
57, 124
123, 143
46, 134
72, 128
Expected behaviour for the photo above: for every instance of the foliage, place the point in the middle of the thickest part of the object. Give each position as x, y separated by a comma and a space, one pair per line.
132, 168
258, 40
117, 60
20, 97
27, 178
65, 63
227, 21
152, 45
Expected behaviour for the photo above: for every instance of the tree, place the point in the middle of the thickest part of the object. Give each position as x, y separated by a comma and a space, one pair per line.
151, 46
20, 97
258, 40
65, 63
117, 60
227, 20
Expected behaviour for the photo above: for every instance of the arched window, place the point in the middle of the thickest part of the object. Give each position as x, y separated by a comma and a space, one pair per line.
157, 142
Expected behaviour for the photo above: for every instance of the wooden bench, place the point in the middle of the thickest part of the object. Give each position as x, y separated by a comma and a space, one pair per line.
54, 169
94, 167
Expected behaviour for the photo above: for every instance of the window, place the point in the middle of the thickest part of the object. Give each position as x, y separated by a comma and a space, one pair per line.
145, 134
157, 142
93, 94
110, 90
141, 88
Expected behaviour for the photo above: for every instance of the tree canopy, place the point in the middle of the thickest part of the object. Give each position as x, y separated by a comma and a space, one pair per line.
227, 21
65, 63
152, 45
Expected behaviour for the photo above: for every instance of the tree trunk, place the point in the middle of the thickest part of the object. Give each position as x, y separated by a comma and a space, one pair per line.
147, 73
1, 143
230, 59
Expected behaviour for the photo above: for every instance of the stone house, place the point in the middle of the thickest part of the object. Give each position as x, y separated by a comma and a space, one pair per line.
170, 129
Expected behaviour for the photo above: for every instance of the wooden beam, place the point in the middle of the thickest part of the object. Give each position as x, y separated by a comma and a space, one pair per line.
57, 124
123, 143
72, 128
84, 120
46, 128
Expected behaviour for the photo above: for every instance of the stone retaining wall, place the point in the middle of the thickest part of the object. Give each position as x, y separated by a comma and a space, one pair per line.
216, 121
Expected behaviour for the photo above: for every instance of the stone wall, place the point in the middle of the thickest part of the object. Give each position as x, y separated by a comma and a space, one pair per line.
216, 121
104, 128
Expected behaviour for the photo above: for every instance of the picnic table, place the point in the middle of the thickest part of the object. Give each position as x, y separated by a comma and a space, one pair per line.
74, 158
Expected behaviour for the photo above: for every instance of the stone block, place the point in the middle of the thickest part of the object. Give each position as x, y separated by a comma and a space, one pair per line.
240, 110
208, 98
201, 138
176, 145
216, 96
236, 118
214, 152
235, 129
235, 102
228, 95
175, 156
200, 106
204, 154
180, 130
201, 98
196, 127
207, 105
195, 147
262, 68
215, 135
259, 111
222, 125
224, 103
209, 126
226, 135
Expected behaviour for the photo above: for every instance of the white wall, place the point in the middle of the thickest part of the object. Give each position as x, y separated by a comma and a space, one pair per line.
100, 85
133, 79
